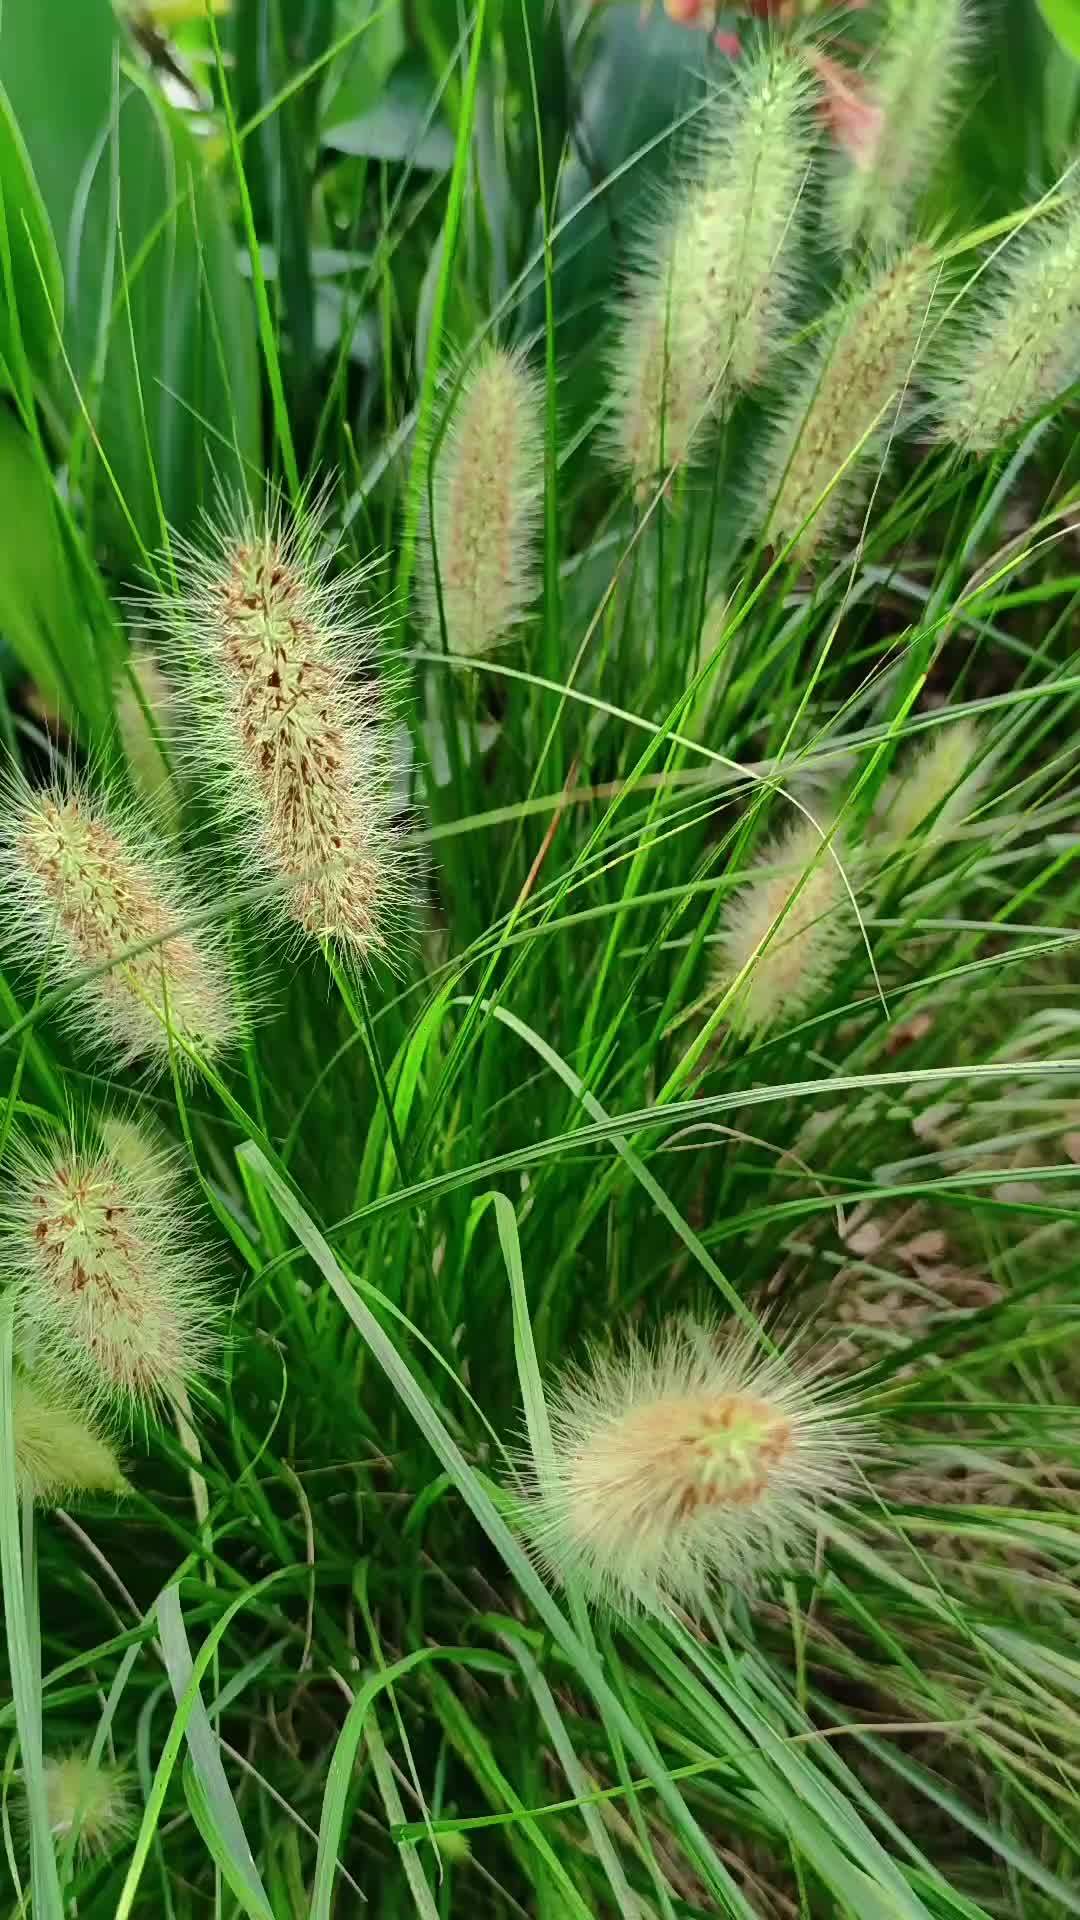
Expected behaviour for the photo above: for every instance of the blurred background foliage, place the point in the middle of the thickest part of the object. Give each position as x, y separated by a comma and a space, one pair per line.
134, 378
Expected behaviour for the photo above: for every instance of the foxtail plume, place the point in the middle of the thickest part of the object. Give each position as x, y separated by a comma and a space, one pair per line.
681, 1463
911, 91
785, 931
292, 723
844, 410
1022, 350
111, 1297
84, 884
479, 547
707, 304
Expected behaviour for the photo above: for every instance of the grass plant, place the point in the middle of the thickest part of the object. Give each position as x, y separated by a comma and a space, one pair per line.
539, 1081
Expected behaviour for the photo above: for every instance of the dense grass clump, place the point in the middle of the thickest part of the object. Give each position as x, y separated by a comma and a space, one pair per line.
539, 1278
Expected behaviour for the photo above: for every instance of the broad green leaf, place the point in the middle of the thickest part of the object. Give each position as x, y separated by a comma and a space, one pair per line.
1063, 19
357, 79
40, 615
339, 1773
158, 1786
159, 327
55, 63
400, 125
195, 1794
37, 283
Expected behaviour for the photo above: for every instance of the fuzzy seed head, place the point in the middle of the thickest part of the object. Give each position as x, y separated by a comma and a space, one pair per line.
912, 90
59, 1451
110, 1296
705, 309
760, 160
91, 1797
690, 1461
83, 884
938, 788
134, 1144
144, 716
1023, 349
488, 491
845, 409
290, 717
660, 387
786, 932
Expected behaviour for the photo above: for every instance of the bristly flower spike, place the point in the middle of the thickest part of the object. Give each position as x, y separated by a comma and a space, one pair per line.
293, 722
91, 1797
84, 883
913, 85
111, 1296
692, 1460
660, 388
937, 789
759, 157
705, 308
843, 412
786, 931
488, 489
1022, 350
145, 717
59, 1450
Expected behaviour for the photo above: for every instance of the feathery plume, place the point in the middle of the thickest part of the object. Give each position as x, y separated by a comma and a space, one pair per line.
842, 413
786, 931
760, 159
145, 717
83, 883
660, 387
1023, 349
693, 1459
138, 1145
937, 789
912, 88
90, 1796
110, 1294
488, 490
58, 1450
291, 717
705, 308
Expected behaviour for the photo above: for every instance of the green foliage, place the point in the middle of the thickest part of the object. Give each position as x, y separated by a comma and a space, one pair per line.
1063, 19
33, 283
276, 239
158, 390
41, 617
